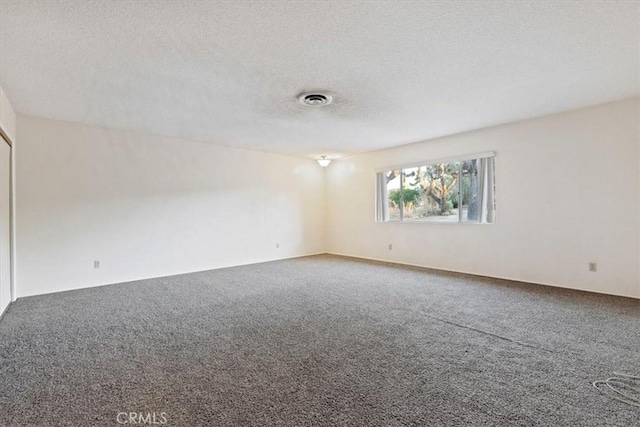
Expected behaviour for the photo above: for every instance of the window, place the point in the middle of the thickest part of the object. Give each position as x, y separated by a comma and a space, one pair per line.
445, 191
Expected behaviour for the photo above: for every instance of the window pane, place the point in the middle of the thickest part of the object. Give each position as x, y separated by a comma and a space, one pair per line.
434, 189
393, 193
412, 194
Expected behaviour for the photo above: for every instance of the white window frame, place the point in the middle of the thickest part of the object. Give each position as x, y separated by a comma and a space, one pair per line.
487, 154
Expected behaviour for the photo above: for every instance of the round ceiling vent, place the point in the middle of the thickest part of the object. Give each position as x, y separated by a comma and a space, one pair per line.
315, 99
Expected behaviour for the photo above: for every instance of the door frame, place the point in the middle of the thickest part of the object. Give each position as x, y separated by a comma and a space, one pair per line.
4, 138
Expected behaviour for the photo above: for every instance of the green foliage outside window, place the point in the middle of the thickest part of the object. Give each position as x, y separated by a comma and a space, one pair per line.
411, 196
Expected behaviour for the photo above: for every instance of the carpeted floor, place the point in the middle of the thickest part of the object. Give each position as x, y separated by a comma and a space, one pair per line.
319, 341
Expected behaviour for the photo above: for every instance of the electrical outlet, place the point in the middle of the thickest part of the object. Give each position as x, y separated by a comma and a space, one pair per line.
390, 246
593, 266
96, 264
277, 245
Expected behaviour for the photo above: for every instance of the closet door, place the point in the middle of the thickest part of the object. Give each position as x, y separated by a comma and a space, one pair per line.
5, 224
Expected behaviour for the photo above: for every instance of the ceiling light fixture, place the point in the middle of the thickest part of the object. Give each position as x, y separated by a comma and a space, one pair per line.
323, 161
315, 99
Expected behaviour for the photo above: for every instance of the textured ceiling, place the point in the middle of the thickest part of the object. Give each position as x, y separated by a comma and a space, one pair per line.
228, 72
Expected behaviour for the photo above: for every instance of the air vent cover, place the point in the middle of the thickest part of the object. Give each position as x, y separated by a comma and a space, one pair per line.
315, 99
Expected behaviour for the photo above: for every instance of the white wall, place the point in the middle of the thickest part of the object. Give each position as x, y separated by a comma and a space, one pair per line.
148, 206
567, 193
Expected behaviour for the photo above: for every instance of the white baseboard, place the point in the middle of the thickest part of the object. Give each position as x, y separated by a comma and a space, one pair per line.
179, 273
481, 275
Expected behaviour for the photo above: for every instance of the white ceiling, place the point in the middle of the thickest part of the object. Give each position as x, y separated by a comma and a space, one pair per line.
228, 72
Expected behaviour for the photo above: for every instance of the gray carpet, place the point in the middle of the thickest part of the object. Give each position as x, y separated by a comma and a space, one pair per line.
320, 341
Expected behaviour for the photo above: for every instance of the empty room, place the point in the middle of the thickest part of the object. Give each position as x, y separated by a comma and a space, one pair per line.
319, 213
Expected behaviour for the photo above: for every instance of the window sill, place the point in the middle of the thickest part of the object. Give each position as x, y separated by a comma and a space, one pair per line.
396, 221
